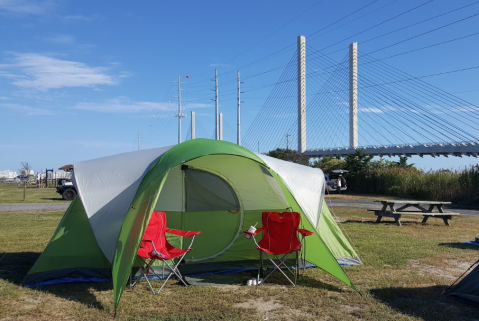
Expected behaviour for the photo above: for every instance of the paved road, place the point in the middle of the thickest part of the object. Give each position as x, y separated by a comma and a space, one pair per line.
34, 206
332, 202
365, 204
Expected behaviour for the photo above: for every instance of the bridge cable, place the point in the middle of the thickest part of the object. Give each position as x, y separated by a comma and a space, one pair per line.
426, 112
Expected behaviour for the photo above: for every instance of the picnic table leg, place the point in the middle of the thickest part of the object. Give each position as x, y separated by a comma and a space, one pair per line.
447, 219
396, 218
424, 220
378, 213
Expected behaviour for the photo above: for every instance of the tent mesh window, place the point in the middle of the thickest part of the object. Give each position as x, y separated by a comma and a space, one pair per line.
208, 192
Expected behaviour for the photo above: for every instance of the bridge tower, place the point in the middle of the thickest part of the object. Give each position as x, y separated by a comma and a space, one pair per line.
353, 95
301, 94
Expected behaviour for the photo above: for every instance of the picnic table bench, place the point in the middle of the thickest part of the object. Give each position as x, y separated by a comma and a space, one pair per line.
424, 208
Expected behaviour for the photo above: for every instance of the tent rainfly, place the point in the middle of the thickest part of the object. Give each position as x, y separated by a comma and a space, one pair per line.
466, 290
215, 187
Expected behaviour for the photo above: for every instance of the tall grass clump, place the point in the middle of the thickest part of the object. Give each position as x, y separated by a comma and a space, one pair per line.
469, 184
409, 182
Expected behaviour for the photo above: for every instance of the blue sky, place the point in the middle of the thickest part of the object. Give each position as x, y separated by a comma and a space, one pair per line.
85, 79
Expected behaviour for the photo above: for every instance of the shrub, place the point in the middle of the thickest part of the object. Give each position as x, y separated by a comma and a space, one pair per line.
409, 182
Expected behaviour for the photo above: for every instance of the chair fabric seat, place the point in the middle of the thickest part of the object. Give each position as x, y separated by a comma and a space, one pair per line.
298, 248
280, 239
280, 234
154, 246
168, 255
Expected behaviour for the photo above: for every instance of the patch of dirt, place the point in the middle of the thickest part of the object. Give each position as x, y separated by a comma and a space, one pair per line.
448, 269
233, 288
33, 300
272, 310
349, 309
260, 306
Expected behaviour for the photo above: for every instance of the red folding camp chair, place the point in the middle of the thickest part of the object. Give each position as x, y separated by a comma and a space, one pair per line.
154, 246
280, 238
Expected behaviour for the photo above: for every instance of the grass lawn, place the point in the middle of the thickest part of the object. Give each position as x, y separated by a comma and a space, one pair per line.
13, 193
405, 270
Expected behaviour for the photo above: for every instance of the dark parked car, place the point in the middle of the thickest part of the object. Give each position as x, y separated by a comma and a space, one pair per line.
332, 181
66, 189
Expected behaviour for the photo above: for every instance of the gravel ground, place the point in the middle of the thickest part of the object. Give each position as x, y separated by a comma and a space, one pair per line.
30, 207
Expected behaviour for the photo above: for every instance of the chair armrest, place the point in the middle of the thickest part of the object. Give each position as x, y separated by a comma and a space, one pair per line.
183, 233
154, 252
255, 232
304, 232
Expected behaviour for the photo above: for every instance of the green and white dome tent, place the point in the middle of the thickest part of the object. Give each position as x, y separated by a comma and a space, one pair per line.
215, 187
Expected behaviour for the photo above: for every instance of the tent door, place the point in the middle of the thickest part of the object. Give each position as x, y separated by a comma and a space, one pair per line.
212, 206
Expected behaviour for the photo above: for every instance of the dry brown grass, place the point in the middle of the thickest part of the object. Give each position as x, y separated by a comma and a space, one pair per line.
405, 270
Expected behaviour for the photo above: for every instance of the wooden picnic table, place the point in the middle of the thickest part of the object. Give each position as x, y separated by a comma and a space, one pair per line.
402, 207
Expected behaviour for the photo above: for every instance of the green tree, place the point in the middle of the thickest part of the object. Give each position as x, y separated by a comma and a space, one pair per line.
382, 163
403, 162
25, 169
289, 155
328, 163
357, 162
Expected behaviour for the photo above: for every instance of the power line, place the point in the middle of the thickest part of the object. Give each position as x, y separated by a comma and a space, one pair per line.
379, 24
424, 33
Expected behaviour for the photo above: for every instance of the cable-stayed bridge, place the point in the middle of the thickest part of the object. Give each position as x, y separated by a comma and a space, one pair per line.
321, 107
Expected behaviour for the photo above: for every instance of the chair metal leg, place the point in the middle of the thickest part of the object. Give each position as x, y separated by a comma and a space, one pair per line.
278, 267
175, 271
260, 270
297, 269
144, 267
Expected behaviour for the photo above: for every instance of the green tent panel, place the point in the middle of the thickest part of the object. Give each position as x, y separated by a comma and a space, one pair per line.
216, 187
72, 252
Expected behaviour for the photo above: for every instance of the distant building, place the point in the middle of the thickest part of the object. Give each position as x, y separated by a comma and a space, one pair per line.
8, 174
53, 175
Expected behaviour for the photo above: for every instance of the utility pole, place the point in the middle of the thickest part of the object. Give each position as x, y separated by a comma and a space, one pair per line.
179, 115
238, 140
221, 126
193, 125
217, 136
287, 141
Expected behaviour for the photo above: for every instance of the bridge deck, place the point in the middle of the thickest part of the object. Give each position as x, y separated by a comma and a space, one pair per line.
466, 149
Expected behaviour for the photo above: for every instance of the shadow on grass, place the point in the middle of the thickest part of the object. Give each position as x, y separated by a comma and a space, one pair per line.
303, 280
460, 245
357, 221
424, 303
54, 199
390, 221
314, 283
14, 266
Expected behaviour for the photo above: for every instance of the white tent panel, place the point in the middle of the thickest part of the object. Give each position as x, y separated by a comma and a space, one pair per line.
107, 186
305, 183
